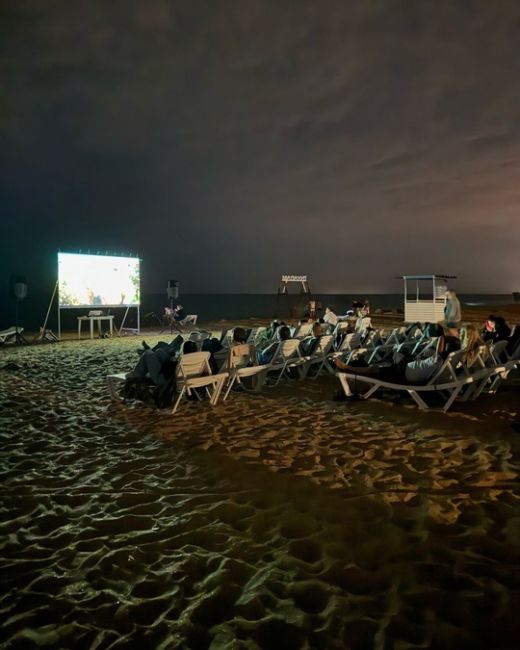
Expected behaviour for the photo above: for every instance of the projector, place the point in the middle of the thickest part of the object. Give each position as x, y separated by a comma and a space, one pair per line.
96, 312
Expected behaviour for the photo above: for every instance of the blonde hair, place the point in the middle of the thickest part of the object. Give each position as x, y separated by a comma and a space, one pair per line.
471, 342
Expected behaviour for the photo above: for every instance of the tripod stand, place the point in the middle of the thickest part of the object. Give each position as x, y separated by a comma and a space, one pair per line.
169, 316
19, 338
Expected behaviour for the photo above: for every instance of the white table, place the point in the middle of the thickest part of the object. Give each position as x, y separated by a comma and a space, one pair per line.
91, 319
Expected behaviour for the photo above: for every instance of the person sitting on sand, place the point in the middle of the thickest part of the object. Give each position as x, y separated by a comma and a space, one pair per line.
418, 371
265, 356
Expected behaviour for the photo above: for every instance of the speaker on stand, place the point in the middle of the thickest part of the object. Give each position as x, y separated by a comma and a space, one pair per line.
19, 293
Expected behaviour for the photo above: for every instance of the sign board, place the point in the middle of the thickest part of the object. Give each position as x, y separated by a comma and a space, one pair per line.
294, 278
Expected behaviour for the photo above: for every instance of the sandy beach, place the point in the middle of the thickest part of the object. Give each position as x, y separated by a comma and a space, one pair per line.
277, 520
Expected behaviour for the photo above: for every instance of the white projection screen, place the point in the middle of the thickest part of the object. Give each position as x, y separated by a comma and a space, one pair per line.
98, 281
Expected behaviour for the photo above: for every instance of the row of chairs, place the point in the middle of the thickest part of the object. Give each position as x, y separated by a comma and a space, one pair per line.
453, 380
193, 370
457, 378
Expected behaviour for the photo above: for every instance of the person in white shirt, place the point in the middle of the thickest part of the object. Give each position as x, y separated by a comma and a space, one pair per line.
330, 317
452, 311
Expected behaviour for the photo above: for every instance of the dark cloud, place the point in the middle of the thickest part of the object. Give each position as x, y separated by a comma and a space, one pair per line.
228, 142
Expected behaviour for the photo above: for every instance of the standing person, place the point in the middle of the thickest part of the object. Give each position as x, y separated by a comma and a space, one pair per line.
452, 311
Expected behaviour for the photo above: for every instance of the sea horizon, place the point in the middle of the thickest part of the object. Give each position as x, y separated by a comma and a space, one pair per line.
220, 306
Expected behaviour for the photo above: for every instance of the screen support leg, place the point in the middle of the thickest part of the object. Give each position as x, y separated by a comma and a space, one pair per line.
123, 321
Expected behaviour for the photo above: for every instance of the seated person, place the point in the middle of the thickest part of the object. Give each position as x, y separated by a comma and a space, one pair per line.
178, 312
417, 371
513, 341
189, 347
330, 317
309, 344
156, 363
268, 334
360, 309
496, 329
264, 357
223, 356
173, 347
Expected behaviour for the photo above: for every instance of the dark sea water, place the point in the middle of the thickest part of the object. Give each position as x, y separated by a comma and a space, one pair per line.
213, 307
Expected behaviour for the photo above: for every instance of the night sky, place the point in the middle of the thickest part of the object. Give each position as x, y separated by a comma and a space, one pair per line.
226, 142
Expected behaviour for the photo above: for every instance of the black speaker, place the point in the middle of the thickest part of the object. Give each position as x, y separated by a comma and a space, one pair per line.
18, 287
172, 290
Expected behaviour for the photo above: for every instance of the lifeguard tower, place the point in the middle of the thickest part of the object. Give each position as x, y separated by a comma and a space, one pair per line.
425, 297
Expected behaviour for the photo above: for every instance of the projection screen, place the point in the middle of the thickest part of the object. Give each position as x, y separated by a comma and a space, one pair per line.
98, 280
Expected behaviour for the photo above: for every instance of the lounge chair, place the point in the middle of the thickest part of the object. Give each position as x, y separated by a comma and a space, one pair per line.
444, 382
199, 336
193, 371
241, 364
190, 319
320, 357
9, 335
303, 330
363, 324
256, 335
287, 355
350, 342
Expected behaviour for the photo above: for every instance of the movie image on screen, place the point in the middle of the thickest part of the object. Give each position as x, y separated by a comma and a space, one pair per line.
98, 280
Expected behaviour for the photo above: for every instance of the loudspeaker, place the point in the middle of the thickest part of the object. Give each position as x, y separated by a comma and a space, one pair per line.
172, 290
18, 287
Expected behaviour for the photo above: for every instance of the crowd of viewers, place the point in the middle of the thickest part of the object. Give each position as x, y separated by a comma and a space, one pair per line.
158, 364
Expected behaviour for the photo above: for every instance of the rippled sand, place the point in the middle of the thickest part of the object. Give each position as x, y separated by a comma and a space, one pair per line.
279, 520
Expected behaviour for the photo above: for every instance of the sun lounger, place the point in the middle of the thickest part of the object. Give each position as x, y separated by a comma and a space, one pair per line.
450, 389
193, 371
303, 330
450, 377
319, 357
237, 375
190, 319
9, 335
287, 355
